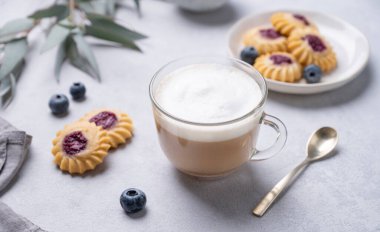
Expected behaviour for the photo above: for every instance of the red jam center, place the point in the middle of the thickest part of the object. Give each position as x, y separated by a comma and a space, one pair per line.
280, 59
269, 33
315, 43
105, 119
301, 18
74, 143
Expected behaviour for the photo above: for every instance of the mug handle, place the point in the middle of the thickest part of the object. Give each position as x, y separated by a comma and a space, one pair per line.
279, 143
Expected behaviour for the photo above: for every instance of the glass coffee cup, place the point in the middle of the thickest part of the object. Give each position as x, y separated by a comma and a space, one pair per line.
212, 148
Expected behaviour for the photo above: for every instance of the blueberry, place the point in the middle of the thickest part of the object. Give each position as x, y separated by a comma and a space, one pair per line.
312, 74
249, 55
132, 200
77, 90
59, 104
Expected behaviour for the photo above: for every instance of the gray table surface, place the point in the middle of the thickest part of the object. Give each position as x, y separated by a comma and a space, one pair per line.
338, 194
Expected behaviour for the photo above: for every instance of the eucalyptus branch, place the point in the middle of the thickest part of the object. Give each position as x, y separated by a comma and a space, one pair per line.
67, 34
72, 10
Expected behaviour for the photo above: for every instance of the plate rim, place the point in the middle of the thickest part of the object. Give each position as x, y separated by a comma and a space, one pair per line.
324, 86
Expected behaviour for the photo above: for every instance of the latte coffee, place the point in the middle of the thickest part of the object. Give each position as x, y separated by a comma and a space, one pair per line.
208, 114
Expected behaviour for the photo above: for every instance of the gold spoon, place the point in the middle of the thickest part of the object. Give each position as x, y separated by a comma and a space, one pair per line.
321, 143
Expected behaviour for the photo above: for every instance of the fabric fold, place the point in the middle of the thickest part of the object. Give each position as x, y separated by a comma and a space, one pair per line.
14, 146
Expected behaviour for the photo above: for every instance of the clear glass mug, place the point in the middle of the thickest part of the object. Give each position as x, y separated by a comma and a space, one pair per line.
214, 149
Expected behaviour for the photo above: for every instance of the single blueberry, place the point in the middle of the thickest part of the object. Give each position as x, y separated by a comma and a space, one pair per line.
249, 55
59, 104
312, 74
77, 90
132, 200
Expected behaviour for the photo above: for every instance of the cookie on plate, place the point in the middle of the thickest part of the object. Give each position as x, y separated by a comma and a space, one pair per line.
80, 147
265, 39
118, 125
286, 23
309, 47
279, 66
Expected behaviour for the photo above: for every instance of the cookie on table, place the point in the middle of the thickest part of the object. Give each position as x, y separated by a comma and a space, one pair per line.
80, 147
279, 66
309, 47
286, 23
118, 125
265, 39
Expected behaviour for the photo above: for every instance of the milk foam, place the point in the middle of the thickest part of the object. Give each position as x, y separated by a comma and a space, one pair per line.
208, 93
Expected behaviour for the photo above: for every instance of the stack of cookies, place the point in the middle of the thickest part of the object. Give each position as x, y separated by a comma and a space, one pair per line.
288, 50
82, 145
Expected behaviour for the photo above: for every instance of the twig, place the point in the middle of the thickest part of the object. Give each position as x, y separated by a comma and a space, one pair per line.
72, 9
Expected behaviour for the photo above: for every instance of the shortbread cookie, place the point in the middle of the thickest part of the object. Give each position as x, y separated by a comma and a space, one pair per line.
285, 23
309, 47
80, 147
265, 39
279, 66
118, 125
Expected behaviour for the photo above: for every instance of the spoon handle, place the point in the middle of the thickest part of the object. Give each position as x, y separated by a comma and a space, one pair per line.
271, 196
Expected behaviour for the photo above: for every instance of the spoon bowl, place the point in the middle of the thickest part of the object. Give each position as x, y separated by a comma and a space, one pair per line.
321, 143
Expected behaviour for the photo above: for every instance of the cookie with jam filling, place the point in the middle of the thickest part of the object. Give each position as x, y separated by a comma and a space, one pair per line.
80, 147
116, 124
279, 66
286, 23
265, 39
309, 47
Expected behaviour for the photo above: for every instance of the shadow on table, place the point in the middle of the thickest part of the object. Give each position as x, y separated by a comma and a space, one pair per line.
339, 96
232, 196
224, 15
235, 196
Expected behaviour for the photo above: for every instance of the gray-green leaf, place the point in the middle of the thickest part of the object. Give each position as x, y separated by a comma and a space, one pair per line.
8, 96
81, 56
105, 25
59, 11
56, 36
137, 3
60, 58
111, 7
104, 28
94, 6
14, 52
104, 34
12, 29
8, 85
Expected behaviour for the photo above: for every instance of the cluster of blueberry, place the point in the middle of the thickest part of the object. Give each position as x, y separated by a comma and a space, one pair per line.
59, 103
312, 73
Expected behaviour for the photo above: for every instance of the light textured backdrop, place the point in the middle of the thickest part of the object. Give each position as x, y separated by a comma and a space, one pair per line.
338, 194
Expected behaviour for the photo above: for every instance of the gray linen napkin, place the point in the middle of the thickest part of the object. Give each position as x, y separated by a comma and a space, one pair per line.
14, 146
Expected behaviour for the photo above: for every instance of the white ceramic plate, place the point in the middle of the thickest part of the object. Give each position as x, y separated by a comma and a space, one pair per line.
350, 45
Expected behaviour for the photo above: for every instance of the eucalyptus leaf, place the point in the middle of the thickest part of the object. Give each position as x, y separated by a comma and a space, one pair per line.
56, 36
104, 34
5, 83
107, 25
8, 85
59, 11
5, 86
95, 6
18, 69
137, 4
111, 8
104, 7
81, 56
12, 29
60, 58
14, 53
8, 97
67, 24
